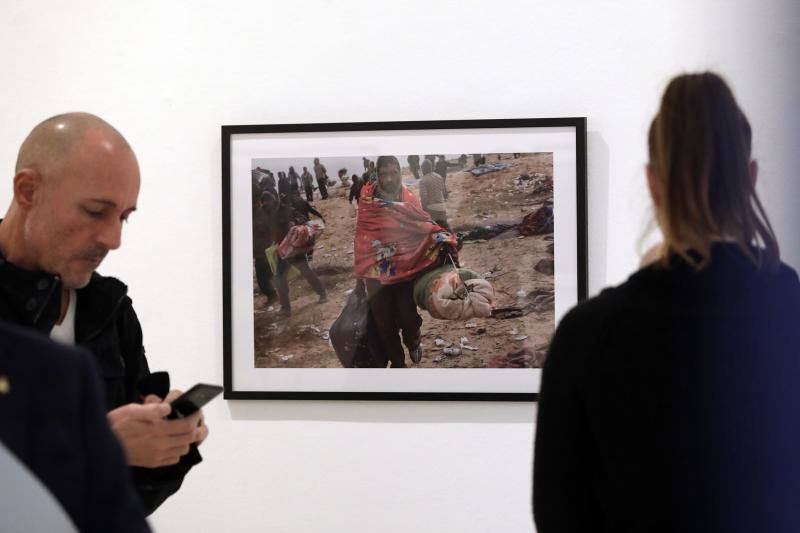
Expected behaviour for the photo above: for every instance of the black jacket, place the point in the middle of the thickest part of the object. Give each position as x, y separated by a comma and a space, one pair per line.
105, 324
53, 419
671, 403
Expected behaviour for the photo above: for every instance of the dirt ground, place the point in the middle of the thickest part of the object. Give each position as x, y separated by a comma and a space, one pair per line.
508, 260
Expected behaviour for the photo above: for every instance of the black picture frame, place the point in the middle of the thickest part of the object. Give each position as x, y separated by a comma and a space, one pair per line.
229, 132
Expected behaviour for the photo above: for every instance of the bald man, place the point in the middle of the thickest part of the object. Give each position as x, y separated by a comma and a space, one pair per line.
76, 183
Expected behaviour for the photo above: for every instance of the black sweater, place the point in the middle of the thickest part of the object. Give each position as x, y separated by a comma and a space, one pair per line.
672, 403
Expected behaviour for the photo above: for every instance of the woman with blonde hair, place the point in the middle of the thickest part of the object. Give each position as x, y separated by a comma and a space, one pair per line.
670, 402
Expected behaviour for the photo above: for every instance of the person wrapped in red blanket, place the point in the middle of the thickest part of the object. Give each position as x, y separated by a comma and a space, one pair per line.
395, 242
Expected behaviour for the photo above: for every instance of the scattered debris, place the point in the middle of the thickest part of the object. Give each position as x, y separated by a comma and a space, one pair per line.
524, 358
470, 325
546, 266
285, 358
521, 293
440, 342
485, 232
325, 336
452, 351
480, 331
520, 337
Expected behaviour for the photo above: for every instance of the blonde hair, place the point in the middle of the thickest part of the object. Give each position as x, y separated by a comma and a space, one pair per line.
700, 148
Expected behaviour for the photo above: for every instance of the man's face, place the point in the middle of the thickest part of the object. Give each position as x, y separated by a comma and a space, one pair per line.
78, 213
389, 177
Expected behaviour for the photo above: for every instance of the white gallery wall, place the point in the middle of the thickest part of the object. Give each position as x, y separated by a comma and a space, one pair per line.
168, 74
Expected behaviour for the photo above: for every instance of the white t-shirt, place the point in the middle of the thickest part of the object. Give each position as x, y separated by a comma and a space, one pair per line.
65, 332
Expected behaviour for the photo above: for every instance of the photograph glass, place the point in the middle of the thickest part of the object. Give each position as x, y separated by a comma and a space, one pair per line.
399, 261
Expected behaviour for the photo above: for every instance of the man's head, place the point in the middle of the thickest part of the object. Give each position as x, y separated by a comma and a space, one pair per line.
427, 166
389, 177
316, 161
75, 184
372, 165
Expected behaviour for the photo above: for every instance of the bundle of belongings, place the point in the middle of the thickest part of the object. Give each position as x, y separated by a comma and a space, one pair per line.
537, 223
454, 294
300, 239
354, 336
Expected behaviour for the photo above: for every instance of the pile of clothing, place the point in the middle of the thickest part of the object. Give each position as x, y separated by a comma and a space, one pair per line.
487, 168
539, 222
454, 294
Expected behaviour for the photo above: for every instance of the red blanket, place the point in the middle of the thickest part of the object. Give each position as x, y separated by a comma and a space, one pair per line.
395, 241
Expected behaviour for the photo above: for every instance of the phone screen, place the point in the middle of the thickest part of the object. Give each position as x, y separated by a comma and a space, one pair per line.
193, 399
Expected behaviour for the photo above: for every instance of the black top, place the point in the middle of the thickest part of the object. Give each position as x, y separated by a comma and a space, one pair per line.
106, 325
53, 419
672, 403
291, 212
355, 190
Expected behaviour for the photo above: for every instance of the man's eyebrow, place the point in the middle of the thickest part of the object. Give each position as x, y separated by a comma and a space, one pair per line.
104, 201
110, 203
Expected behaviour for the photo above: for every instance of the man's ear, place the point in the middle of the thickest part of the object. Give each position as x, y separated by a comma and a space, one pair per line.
654, 185
754, 172
27, 184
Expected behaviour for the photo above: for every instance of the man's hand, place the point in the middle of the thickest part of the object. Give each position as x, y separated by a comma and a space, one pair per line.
151, 441
171, 396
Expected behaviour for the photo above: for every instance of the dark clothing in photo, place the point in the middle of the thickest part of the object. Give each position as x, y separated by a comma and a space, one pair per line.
321, 174
282, 285
355, 190
394, 311
413, 165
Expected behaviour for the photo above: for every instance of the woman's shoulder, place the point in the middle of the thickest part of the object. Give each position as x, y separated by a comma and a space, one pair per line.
627, 293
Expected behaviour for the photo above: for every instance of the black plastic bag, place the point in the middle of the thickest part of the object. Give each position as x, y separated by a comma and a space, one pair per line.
354, 337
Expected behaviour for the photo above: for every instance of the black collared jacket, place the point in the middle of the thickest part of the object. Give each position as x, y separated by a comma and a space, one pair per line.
106, 325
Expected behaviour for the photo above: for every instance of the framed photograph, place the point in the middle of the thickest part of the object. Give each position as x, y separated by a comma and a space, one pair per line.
399, 260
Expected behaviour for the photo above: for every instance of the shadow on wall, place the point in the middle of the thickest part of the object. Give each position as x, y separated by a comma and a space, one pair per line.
597, 185
386, 411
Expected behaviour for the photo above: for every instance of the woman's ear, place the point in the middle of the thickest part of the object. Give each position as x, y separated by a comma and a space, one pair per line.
754, 172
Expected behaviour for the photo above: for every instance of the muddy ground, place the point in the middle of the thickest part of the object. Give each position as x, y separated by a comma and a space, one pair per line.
509, 259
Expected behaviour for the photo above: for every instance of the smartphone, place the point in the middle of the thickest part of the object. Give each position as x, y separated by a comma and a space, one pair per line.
192, 400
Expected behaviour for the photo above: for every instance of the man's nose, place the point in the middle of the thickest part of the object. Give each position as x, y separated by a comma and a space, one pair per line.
111, 236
